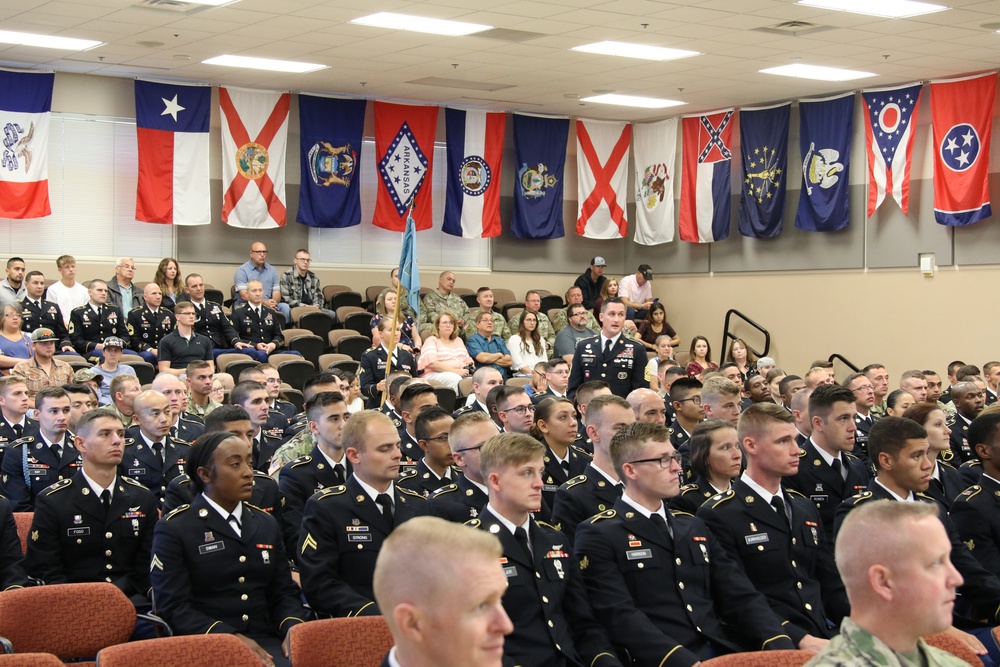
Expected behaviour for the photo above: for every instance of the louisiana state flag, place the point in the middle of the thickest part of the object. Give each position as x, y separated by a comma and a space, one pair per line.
404, 153
475, 156
825, 128
706, 166
540, 158
24, 121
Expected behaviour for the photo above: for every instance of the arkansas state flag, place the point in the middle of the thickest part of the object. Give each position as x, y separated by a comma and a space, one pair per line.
540, 158
602, 177
825, 128
172, 131
254, 139
654, 152
330, 149
962, 116
764, 149
24, 170
404, 148
889, 129
475, 156
705, 170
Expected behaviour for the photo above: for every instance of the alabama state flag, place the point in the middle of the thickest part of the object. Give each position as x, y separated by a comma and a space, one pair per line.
602, 175
705, 171
24, 121
475, 156
404, 150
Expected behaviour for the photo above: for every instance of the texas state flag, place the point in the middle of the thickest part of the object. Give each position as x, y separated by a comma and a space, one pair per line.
24, 118
172, 131
705, 170
475, 156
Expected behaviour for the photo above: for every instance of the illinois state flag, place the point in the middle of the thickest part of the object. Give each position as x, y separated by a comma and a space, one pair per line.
540, 158
602, 177
890, 124
330, 150
404, 147
764, 149
172, 131
654, 152
475, 156
705, 171
254, 139
962, 116
825, 128
24, 169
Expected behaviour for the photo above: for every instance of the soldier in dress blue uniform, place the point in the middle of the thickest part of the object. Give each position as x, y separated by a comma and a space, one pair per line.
184, 425
275, 404
968, 400
15, 423
413, 400
37, 313
12, 574
212, 321
151, 457
374, 360
252, 397
976, 511
610, 356
149, 324
434, 469
555, 426
716, 460
466, 497
256, 324
685, 397
864, 418
89, 325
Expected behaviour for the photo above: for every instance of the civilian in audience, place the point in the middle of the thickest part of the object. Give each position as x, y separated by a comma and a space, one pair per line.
12, 289
444, 357
740, 354
43, 369
528, 346
484, 297
15, 344
764, 365
700, 359
258, 269
487, 348
655, 325
404, 295
66, 292
636, 291
168, 279
591, 283
560, 319
532, 305
300, 287
609, 290
575, 331
111, 367
122, 293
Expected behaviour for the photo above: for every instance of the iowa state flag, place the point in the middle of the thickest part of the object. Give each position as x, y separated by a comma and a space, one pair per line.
254, 139
330, 149
705, 171
890, 126
825, 140
540, 158
962, 116
404, 149
654, 150
24, 168
475, 157
602, 177
764, 149
172, 132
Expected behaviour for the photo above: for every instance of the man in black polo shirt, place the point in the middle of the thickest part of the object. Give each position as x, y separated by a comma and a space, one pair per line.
182, 345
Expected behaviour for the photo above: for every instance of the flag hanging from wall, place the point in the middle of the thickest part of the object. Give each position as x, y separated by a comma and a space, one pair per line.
24, 120
540, 158
602, 178
706, 167
404, 152
764, 149
890, 127
475, 157
254, 142
825, 128
962, 117
331, 132
654, 152
172, 133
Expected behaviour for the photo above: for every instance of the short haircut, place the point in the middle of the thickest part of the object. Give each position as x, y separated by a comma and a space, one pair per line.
760, 416
504, 392
663, 337
608, 302
225, 414
202, 455
851, 378
728, 364
911, 375
410, 394
715, 389
483, 314
479, 376
356, 430
824, 396
323, 377
422, 424
586, 391
10, 262
597, 405
83, 425
955, 365
872, 367
483, 289
530, 292
800, 400
463, 423
314, 406
78, 389
967, 372
982, 431
31, 274
198, 365
508, 449
96, 281
395, 386
557, 361
701, 444
889, 434
8, 381
574, 306
184, 306
242, 391
825, 364
63, 260
247, 374
785, 381
672, 371
118, 383
628, 442
252, 281
682, 387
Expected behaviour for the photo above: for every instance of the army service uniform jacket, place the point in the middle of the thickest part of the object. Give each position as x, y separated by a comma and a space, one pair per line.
87, 329
555, 475
581, 498
421, 479
253, 328
373, 363
976, 515
624, 369
30, 466
141, 463
180, 491
8, 435
298, 481
44, 314
459, 501
146, 328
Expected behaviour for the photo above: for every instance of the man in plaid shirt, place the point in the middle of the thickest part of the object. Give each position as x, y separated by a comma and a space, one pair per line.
300, 286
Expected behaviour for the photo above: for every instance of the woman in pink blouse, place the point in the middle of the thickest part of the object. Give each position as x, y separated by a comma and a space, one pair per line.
443, 357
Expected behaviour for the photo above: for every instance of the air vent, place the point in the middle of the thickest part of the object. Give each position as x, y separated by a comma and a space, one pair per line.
505, 35
442, 82
794, 28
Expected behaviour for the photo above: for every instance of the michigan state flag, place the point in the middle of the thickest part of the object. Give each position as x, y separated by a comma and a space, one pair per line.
764, 148
540, 156
825, 138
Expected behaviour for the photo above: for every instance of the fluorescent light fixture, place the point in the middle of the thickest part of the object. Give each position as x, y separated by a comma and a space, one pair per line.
265, 64
210, 3
420, 24
47, 41
626, 50
633, 101
893, 9
817, 72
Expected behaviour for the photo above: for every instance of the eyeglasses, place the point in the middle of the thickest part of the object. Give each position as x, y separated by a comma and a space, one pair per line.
302, 259
864, 388
440, 438
561, 372
664, 461
520, 410
694, 399
468, 449
259, 252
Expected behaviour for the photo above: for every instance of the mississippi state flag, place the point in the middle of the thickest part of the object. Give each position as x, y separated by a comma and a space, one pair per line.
962, 117
705, 169
655, 151
602, 176
254, 139
475, 156
889, 129
172, 131
24, 119
404, 150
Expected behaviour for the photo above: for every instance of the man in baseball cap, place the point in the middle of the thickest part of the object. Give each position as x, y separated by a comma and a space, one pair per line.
111, 367
636, 291
42, 370
591, 281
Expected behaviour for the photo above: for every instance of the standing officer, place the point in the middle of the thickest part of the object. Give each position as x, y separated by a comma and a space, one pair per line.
149, 323
151, 456
36, 312
256, 324
89, 325
610, 356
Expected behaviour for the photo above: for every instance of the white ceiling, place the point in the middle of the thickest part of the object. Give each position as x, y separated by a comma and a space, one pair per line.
539, 74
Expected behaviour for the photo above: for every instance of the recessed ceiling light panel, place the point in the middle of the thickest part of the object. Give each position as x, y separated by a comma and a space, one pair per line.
893, 9
626, 50
817, 72
47, 41
268, 64
633, 101
394, 21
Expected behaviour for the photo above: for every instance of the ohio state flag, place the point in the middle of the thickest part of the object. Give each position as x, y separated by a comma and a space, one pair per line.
24, 123
602, 175
404, 150
890, 127
254, 139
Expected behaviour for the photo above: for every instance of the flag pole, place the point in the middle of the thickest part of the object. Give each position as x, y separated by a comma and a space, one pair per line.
392, 344
405, 257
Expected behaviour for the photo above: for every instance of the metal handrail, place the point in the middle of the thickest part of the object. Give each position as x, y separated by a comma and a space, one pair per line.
728, 335
844, 360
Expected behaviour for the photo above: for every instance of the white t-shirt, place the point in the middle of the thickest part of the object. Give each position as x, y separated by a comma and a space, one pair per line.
67, 298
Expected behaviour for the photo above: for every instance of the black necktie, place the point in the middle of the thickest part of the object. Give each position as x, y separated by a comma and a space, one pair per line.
661, 523
158, 450
106, 499
18, 430
386, 504
607, 348
173, 431
565, 465
779, 505
838, 468
57, 450
521, 535
338, 473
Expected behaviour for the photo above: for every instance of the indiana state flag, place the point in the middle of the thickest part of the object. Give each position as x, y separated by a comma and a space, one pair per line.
475, 156
24, 120
764, 148
825, 139
540, 157
706, 166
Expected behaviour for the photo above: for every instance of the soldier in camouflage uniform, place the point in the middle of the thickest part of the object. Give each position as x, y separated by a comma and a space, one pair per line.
532, 302
442, 299
561, 318
484, 296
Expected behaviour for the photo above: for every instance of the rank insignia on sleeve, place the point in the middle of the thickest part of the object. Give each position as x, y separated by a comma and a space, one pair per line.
584, 563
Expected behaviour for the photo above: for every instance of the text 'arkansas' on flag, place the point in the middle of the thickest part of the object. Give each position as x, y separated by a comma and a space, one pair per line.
825, 128
172, 132
540, 158
706, 167
654, 151
890, 127
331, 132
475, 157
404, 153
764, 149
24, 121
602, 178
962, 117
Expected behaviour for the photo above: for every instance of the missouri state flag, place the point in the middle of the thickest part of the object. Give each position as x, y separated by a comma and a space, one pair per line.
540, 158
254, 142
962, 118
24, 120
475, 157
764, 150
890, 127
825, 128
706, 166
654, 151
602, 178
404, 153
172, 132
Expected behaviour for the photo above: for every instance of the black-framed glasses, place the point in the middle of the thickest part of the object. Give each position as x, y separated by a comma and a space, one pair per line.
694, 399
520, 409
664, 461
468, 449
438, 438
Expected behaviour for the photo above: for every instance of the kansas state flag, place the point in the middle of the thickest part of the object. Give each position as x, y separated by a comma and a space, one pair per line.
706, 167
825, 139
24, 121
890, 127
764, 148
540, 157
475, 156
330, 148
962, 116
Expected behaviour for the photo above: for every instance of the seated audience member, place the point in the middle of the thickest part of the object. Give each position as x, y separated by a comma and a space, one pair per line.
111, 367
42, 369
443, 299
774, 378
483, 380
515, 411
257, 324
720, 399
151, 455
200, 386
756, 389
374, 363
304, 442
585, 393
560, 320
537, 382
415, 397
122, 292
149, 323
184, 425
879, 377
486, 348
556, 380
799, 407
636, 291
914, 382
864, 401
218, 393
90, 378
935, 390
183, 346
444, 357
609, 290
576, 330
700, 359
484, 297
740, 354
12, 567
123, 389
975, 511
467, 495
685, 398
354, 402
788, 387
946, 482
528, 346
212, 321
38, 313
716, 460
82, 399
764, 365
409, 335
664, 356
252, 397
276, 405
666, 374
434, 470
90, 324
816, 376
168, 279
969, 403
898, 401
14, 406
66, 292
655, 325
647, 406
300, 287
404, 296
532, 304
15, 344
591, 281
257, 268
555, 427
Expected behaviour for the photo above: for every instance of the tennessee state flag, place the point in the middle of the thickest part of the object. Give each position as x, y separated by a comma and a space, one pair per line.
706, 165
889, 131
962, 118
602, 176
404, 150
172, 132
254, 139
24, 121
475, 157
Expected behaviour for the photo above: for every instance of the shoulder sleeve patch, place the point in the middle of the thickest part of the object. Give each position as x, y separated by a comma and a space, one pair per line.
176, 511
